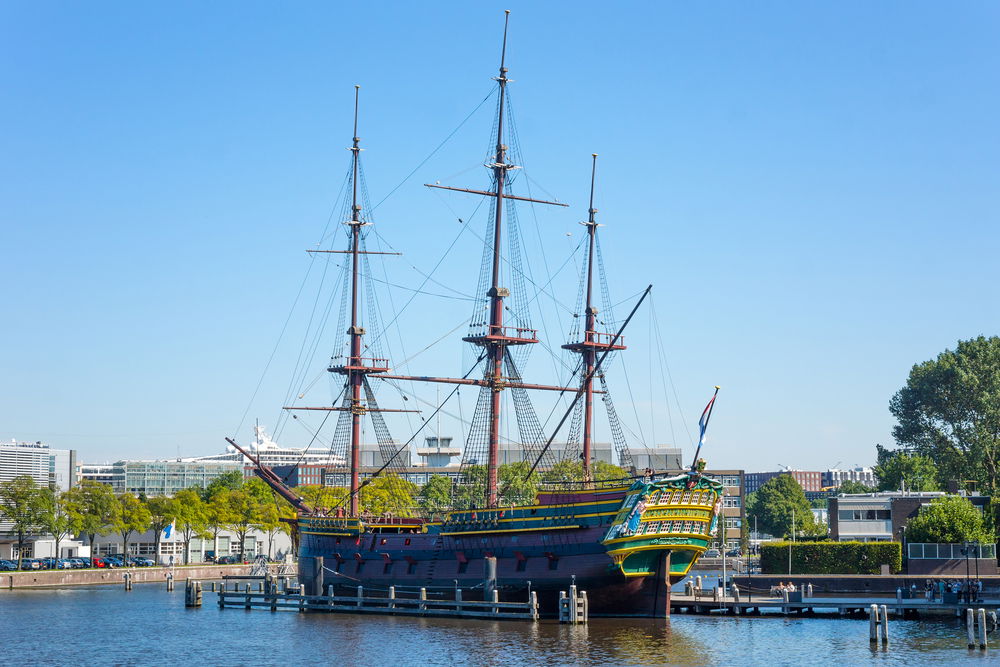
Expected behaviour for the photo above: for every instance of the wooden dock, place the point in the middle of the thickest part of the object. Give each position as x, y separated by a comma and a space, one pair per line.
797, 605
400, 604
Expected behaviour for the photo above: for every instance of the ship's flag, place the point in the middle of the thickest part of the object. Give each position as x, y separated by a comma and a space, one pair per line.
168, 531
703, 422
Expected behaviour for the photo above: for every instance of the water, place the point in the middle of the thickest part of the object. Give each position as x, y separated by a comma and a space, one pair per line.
106, 625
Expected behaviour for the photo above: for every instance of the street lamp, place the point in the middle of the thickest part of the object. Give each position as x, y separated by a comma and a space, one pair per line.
968, 587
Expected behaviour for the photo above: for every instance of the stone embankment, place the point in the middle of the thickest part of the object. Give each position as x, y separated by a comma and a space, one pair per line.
140, 575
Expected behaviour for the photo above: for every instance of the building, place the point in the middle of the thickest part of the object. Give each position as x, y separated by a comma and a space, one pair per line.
274, 545
158, 478
810, 481
733, 505
272, 454
53, 468
875, 517
657, 458
835, 477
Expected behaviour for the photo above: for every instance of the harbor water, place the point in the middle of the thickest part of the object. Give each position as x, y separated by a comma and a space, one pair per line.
106, 625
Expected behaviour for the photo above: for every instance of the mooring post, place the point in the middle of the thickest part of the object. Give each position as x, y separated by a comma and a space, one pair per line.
697, 583
490, 567
458, 600
170, 582
392, 597
885, 625
128, 581
970, 626
361, 595
786, 609
809, 590
572, 604
563, 607
496, 598
981, 618
586, 606
423, 599
533, 601
873, 624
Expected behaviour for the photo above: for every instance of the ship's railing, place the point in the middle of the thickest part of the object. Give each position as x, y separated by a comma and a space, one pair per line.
575, 486
510, 333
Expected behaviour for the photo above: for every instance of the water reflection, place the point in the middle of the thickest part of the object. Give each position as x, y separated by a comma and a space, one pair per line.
150, 626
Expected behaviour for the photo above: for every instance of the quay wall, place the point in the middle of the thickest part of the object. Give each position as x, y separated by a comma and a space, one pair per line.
856, 583
140, 575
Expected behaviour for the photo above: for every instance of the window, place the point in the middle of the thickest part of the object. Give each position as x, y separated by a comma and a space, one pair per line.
731, 480
733, 522
411, 568
864, 515
732, 501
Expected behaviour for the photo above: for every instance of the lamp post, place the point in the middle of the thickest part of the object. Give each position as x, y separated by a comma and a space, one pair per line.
979, 548
968, 586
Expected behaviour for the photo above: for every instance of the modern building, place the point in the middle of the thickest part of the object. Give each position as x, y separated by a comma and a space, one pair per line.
158, 478
810, 481
658, 458
54, 468
274, 545
835, 477
882, 517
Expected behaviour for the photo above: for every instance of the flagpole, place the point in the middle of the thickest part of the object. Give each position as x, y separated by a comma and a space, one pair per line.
701, 438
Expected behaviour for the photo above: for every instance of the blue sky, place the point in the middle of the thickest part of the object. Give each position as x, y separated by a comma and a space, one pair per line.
812, 189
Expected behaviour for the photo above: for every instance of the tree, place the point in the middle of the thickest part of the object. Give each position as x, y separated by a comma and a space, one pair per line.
21, 503
90, 506
217, 516
898, 469
55, 517
949, 411
321, 498
775, 504
162, 513
850, 486
516, 487
260, 491
269, 520
129, 516
190, 514
389, 494
949, 519
435, 495
227, 481
242, 513
569, 470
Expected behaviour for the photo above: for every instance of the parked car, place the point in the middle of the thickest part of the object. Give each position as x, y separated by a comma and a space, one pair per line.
30, 564
142, 561
79, 563
7, 565
97, 561
712, 553
734, 553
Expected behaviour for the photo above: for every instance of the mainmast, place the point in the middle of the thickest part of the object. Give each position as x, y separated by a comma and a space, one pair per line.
593, 341
495, 338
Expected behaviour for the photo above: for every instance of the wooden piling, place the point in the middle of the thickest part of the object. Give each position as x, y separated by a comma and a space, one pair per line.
884, 614
970, 626
128, 580
170, 582
361, 595
873, 624
981, 618
392, 596
423, 599
458, 599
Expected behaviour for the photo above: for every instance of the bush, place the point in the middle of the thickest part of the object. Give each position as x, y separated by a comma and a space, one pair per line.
831, 557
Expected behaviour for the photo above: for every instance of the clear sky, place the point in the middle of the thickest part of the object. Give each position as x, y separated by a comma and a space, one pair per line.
812, 189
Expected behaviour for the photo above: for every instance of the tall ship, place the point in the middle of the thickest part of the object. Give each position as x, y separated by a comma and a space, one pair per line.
623, 539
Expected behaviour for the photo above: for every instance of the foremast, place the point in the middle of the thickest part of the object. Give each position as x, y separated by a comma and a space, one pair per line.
593, 340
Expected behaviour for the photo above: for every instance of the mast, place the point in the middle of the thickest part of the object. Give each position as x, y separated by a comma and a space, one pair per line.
495, 349
355, 376
592, 340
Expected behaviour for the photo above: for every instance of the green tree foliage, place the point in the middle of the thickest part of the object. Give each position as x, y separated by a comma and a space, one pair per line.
242, 513
949, 411
260, 491
129, 515
228, 481
190, 514
898, 469
389, 494
21, 503
830, 557
516, 487
775, 504
162, 513
322, 498
950, 519
850, 486
569, 470
435, 495
55, 518
269, 521
91, 506
217, 516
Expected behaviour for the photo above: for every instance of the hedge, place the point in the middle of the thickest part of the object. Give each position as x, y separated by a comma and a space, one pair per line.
831, 557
